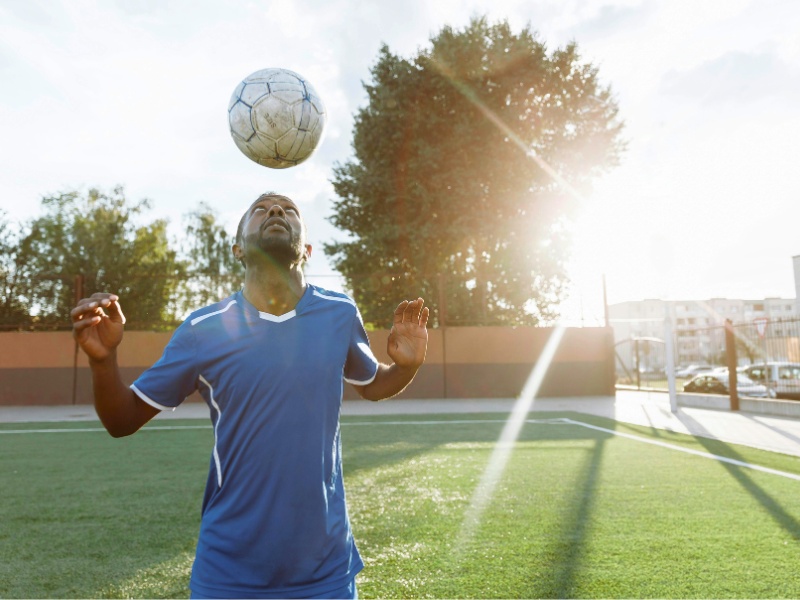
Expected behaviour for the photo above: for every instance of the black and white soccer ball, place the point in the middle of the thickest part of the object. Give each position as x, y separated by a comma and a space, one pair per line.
276, 118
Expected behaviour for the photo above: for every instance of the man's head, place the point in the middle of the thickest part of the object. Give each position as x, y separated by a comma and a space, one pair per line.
272, 227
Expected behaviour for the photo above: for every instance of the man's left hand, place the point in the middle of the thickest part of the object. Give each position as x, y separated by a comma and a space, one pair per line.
408, 339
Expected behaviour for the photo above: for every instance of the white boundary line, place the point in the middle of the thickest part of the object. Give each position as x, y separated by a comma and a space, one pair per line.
99, 429
724, 459
556, 421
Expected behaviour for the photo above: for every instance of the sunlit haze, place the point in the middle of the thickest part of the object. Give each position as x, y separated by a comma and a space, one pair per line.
704, 203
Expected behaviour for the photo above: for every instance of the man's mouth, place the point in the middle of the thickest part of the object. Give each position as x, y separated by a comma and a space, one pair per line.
275, 222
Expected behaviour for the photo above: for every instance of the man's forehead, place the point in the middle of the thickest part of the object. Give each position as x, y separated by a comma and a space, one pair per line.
272, 197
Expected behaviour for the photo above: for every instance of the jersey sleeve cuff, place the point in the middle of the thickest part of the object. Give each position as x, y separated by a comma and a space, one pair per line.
150, 401
364, 381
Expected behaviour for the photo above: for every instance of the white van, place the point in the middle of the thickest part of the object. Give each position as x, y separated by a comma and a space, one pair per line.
783, 377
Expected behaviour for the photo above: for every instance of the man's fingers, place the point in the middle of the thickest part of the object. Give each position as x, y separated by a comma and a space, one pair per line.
84, 308
115, 311
418, 304
400, 311
94, 307
409, 311
104, 296
423, 319
82, 324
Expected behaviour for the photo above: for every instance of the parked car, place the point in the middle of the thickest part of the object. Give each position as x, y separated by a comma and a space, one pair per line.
716, 382
781, 377
692, 370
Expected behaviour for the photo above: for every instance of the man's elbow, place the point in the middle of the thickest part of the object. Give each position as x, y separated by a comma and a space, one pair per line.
365, 392
120, 432
119, 429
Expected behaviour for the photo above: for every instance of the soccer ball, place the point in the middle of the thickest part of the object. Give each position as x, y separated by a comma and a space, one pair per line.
276, 118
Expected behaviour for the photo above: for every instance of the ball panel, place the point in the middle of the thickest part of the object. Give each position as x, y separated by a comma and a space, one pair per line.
302, 114
288, 93
235, 96
239, 121
289, 144
272, 117
252, 92
306, 147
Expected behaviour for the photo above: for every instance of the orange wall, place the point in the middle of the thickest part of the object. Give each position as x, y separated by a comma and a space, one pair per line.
38, 367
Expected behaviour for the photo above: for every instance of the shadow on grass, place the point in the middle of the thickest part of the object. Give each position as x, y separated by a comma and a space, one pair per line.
570, 547
776, 511
381, 449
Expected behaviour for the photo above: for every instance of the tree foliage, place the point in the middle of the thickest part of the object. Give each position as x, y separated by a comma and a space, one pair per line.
443, 197
212, 271
107, 241
97, 235
16, 274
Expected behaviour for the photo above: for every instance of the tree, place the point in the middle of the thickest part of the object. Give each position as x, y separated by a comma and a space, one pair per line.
443, 189
96, 235
212, 271
16, 275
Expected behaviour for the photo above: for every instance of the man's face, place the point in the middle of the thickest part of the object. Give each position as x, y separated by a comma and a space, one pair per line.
273, 226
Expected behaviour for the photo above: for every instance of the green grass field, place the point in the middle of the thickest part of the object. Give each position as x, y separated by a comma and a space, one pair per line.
577, 512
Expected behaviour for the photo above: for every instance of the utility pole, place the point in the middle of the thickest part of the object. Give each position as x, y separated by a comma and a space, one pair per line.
79, 284
730, 355
443, 327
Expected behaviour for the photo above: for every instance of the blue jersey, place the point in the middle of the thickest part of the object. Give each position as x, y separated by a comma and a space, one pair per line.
274, 521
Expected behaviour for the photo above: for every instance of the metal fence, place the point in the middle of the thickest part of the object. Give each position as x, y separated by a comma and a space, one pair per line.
641, 361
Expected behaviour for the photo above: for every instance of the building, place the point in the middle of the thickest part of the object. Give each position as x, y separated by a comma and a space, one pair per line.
640, 325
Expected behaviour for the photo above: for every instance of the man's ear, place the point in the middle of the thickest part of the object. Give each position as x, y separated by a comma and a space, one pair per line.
308, 252
238, 253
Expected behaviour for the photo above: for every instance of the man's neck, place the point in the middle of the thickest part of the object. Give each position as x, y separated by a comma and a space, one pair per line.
274, 290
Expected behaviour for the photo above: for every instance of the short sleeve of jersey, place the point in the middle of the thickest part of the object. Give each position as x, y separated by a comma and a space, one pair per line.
169, 381
361, 366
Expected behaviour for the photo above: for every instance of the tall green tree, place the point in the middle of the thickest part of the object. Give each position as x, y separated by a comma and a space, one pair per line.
444, 196
97, 235
16, 274
212, 272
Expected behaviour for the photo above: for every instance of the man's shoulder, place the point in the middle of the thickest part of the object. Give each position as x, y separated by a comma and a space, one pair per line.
218, 308
323, 295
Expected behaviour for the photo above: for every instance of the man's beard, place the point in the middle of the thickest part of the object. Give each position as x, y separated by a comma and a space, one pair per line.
283, 251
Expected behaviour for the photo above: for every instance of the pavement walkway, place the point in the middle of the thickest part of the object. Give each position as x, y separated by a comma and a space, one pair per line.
650, 409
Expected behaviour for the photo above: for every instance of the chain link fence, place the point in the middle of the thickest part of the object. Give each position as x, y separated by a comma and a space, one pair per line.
641, 360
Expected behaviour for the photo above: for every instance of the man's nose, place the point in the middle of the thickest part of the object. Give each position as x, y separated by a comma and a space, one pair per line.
276, 211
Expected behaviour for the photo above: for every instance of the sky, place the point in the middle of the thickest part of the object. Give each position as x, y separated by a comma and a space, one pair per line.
704, 204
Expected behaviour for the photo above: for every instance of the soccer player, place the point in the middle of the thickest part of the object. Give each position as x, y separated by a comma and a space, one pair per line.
270, 361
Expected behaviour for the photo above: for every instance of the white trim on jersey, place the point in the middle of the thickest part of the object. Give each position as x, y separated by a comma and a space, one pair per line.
277, 318
196, 320
216, 425
150, 401
365, 382
336, 298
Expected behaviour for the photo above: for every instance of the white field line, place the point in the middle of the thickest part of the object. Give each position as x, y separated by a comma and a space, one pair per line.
100, 429
724, 459
176, 427
557, 421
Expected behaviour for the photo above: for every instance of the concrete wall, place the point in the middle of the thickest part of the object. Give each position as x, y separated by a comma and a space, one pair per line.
462, 362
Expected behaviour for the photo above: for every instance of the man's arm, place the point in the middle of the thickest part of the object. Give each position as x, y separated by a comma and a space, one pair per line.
408, 343
98, 333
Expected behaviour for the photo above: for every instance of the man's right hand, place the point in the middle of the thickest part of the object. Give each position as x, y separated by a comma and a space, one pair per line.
97, 325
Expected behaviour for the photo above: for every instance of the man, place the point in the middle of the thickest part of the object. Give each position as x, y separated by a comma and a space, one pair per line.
270, 362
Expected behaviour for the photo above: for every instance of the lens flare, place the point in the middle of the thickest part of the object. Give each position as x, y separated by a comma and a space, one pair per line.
484, 491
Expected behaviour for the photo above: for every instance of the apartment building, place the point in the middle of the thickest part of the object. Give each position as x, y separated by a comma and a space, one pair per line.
694, 322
